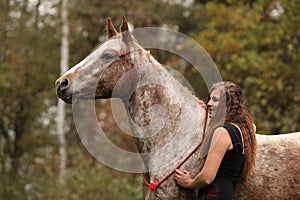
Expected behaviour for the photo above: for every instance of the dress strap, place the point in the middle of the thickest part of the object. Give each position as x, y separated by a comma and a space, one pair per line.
235, 136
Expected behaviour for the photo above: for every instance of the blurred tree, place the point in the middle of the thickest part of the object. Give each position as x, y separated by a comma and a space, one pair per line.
64, 63
25, 71
28, 59
256, 44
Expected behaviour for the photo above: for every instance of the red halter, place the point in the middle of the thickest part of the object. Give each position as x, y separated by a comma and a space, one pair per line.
153, 185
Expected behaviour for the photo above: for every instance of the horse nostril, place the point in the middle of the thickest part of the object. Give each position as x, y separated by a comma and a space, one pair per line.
63, 84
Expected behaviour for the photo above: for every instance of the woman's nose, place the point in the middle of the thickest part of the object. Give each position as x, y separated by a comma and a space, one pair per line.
209, 103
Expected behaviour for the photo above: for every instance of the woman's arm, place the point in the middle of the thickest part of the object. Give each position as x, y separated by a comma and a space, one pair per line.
221, 142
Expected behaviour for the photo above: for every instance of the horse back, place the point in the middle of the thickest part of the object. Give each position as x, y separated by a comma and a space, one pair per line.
277, 172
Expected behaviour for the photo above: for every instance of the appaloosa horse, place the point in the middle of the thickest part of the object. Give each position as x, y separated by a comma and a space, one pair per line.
166, 120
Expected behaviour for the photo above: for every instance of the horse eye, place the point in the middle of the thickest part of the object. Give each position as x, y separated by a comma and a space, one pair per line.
107, 56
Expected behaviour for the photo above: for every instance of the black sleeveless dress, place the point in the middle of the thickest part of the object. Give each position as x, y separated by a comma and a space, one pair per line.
229, 172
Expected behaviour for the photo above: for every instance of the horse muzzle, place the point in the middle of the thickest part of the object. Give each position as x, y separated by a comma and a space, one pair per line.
63, 86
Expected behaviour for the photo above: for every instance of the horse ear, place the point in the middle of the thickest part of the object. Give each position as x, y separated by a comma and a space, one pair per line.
111, 31
124, 24
126, 36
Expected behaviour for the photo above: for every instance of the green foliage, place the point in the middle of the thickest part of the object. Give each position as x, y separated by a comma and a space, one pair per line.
86, 179
257, 47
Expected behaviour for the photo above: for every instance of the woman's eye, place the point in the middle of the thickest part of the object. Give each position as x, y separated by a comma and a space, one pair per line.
214, 99
107, 56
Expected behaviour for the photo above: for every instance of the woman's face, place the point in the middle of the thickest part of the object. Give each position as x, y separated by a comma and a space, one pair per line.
213, 102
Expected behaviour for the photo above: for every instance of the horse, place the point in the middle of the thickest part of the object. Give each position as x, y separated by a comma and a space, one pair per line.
167, 120
276, 175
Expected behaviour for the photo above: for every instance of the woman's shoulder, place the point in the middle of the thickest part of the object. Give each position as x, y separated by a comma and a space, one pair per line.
225, 129
222, 137
232, 128
221, 132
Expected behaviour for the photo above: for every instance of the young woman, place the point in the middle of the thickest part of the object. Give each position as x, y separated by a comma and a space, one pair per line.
230, 145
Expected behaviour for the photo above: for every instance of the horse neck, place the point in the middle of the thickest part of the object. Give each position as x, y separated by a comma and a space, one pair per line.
166, 118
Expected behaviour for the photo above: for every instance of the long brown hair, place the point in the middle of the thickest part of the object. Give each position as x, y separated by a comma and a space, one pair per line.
231, 109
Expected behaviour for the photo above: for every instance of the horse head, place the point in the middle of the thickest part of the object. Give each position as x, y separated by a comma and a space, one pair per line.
97, 75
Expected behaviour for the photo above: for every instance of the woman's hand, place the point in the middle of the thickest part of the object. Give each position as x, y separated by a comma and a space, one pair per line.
183, 178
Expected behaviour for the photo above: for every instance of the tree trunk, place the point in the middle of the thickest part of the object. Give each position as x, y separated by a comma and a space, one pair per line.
64, 53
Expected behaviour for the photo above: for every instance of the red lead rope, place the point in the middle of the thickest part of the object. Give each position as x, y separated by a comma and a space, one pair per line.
153, 185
